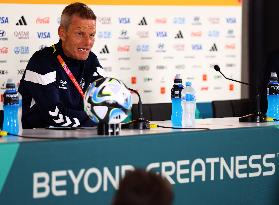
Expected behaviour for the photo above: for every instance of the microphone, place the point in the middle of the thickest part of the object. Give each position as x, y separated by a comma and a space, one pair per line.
254, 117
139, 123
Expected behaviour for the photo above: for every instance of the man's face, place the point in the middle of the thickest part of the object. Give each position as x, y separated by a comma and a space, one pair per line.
78, 38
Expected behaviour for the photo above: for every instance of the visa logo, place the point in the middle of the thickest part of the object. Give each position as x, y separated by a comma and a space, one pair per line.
43, 34
161, 34
196, 47
4, 20
231, 20
124, 20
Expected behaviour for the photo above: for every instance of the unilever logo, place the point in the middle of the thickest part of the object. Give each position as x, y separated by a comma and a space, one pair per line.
142, 48
214, 33
179, 20
124, 20
4, 20
104, 34
21, 50
43, 35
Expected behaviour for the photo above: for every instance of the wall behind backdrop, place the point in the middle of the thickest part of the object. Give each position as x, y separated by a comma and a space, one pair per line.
142, 43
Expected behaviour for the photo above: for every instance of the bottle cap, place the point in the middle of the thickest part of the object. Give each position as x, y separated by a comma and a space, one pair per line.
177, 79
188, 83
10, 84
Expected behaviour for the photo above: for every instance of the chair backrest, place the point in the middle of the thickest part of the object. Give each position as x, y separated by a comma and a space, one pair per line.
1, 118
222, 108
153, 112
232, 108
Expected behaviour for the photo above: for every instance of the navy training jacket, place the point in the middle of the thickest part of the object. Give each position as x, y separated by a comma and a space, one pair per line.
49, 98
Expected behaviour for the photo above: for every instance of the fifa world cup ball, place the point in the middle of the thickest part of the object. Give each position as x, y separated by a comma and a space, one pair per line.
107, 100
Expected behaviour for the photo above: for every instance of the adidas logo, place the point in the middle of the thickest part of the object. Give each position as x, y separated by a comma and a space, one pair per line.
21, 22
179, 35
213, 48
104, 50
142, 22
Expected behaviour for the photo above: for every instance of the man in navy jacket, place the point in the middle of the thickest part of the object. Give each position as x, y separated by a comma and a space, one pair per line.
49, 96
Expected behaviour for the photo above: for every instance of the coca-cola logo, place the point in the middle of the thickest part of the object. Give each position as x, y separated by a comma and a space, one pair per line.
44, 20
4, 50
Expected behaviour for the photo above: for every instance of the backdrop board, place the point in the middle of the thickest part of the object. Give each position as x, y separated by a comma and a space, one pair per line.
226, 165
142, 43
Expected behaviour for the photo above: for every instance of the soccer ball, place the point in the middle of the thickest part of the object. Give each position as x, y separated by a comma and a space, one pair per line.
107, 100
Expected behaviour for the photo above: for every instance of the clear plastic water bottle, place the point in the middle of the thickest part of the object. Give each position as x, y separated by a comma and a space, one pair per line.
188, 105
12, 109
273, 96
176, 114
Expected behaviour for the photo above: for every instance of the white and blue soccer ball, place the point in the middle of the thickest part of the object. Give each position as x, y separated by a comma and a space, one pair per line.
107, 100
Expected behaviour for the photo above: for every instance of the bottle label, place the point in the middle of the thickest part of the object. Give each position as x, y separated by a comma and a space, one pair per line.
273, 89
11, 98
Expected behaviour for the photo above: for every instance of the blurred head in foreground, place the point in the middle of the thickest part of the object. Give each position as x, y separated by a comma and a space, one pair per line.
140, 187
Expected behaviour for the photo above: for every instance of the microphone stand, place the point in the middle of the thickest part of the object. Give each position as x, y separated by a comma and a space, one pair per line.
254, 117
139, 123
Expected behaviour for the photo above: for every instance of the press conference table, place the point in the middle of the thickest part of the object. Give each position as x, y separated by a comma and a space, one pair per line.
232, 163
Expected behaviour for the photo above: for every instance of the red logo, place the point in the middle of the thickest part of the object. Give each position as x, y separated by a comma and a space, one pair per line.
44, 20
163, 90
204, 77
196, 34
231, 88
123, 48
230, 46
134, 80
4, 50
161, 20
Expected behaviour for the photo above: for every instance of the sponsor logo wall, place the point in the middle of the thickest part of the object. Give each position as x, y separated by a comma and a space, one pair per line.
143, 49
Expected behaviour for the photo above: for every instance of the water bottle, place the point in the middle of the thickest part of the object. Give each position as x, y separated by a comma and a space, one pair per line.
176, 112
273, 96
12, 109
188, 105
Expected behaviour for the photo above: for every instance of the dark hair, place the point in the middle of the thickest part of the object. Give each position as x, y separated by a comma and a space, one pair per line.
79, 9
140, 187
